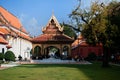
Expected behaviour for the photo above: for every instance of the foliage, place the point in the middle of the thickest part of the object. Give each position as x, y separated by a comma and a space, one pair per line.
1, 61
114, 18
69, 31
9, 56
98, 26
91, 56
1, 56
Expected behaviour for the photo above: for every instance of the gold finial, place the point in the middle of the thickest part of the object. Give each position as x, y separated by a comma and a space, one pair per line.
52, 12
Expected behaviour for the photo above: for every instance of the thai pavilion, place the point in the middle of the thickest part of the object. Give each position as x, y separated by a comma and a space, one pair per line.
52, 37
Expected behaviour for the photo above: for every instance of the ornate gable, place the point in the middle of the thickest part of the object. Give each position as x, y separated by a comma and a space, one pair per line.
52, 33
53, 27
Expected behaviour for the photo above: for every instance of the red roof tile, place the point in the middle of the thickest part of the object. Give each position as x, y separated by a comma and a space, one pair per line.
4, 30
3, 41
24, 36
11, 19
14, 33
80, 41
51, 37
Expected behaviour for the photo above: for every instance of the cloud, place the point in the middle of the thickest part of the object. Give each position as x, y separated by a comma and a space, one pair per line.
33, 27
30, 24
22, 17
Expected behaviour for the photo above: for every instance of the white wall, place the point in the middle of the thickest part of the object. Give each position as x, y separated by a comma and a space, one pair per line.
20, 47
1, 47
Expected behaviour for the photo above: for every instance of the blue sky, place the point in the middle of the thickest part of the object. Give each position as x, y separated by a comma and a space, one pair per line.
34, 14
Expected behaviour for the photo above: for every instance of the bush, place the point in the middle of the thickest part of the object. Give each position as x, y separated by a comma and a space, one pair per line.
91, 56
9, 56
1, 56
1, 61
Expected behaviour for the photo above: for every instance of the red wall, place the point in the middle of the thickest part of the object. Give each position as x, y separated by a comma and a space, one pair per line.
83, 51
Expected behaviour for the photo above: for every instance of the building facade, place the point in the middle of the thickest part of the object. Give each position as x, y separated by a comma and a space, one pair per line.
52, 37
82, 49
18, 40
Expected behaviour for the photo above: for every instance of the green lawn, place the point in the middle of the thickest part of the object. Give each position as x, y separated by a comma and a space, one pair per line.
61, 72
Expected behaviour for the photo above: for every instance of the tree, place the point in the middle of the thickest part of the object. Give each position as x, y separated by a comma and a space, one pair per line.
9, 56
96, 27
114, 17
69, 31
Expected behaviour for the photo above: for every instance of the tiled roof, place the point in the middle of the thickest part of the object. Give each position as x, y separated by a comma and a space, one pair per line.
52, 38
77, 41
52, 33
80, 41
24, 36
11, 19
3, 41
51, 21
14, 33
14, 26
4, 30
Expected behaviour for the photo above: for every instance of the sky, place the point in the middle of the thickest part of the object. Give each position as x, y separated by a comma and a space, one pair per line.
35, 14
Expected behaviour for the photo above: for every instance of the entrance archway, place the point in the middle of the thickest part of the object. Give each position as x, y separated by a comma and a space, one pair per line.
52, 52
37, 52
53, 37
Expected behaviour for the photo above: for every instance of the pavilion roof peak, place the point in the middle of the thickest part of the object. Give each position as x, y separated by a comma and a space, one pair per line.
55, 21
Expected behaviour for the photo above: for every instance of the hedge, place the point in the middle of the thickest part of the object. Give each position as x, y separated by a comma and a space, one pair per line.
1, 56
9, 56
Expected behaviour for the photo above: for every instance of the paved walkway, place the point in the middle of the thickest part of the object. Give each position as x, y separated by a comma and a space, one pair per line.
11, 64
57, 61
115, 64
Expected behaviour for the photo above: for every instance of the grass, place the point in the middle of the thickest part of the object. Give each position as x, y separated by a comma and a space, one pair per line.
60, 72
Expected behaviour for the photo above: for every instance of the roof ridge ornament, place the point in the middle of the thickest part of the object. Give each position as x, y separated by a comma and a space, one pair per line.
53, 19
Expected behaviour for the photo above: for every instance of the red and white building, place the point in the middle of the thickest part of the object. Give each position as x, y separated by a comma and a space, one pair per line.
13, 35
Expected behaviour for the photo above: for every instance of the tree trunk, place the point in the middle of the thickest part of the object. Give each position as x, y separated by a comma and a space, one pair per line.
105, 57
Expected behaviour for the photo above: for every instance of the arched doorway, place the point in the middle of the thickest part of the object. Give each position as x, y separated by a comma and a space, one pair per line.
52, 52
37, 52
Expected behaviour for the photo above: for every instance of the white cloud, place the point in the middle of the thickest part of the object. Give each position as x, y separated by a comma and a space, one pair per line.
22, 17
30, 24
33, 27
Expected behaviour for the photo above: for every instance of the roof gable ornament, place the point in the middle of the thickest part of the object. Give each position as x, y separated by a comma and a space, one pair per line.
53, 21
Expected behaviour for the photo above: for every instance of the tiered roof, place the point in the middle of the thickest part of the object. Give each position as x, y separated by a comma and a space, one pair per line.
2, 40
9, 24
52, 33
11, 19
80, 41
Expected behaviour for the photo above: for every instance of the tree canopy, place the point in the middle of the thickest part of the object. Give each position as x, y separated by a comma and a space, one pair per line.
99, 24
68, 30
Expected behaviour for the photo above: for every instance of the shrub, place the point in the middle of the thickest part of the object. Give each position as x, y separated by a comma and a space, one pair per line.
91, 56
1, 56
9, 56
1, 62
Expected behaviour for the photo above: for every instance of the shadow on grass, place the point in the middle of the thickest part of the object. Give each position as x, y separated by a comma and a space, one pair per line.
92, 71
